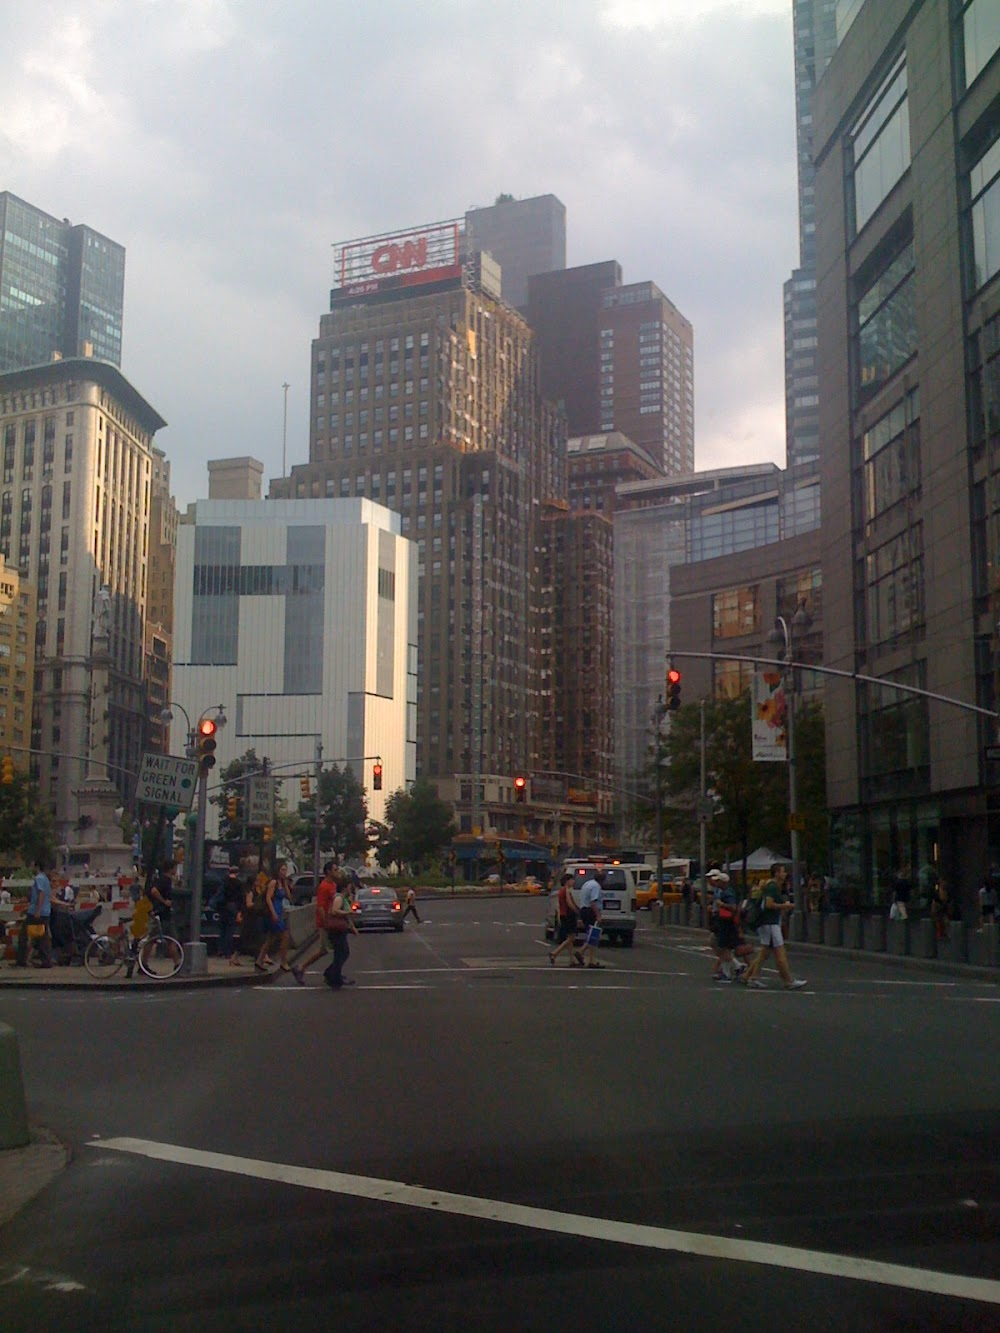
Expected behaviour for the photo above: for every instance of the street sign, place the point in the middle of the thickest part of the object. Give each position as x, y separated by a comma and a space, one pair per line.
992, 752
260, 801
705, 808
166, 779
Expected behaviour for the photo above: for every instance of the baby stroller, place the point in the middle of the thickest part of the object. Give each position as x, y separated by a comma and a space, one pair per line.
71, 933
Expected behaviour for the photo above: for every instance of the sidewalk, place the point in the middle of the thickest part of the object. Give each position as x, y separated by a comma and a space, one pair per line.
25, 1172
78, 978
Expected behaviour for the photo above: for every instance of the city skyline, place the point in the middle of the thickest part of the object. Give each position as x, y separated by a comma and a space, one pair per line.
636, 118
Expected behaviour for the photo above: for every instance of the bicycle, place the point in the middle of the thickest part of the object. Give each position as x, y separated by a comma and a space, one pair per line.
159, 956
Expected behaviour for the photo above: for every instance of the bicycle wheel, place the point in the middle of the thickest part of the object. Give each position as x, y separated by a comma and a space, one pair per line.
104, 958
161, 956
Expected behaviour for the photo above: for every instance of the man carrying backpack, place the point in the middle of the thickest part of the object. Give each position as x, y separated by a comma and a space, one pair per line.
775, 901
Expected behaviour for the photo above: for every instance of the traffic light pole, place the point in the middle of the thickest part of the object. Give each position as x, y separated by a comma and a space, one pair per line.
195, 952
316, 812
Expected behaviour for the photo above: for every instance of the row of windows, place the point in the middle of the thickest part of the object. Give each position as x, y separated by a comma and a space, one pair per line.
880, 144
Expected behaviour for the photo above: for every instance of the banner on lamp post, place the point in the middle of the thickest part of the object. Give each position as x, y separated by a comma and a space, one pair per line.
768, 718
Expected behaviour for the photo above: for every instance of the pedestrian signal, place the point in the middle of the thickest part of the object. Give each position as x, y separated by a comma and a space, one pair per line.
268, 833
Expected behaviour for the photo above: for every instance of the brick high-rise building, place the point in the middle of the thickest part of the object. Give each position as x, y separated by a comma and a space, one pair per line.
524, 236
426, 398
619, 357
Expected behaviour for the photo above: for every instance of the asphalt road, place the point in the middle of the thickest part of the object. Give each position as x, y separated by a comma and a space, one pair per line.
470, 1138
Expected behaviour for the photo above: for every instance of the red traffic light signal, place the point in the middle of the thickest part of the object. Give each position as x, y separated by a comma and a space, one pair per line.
376, 777
520, 788
206, 744
673, 689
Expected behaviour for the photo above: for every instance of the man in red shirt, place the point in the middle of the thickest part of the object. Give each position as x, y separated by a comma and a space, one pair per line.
325, 894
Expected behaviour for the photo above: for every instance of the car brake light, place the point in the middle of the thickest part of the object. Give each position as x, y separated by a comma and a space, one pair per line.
374, 891
395, 907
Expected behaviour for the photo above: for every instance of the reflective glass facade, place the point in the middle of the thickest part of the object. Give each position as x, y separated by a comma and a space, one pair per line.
984, 182
62, 289
880, 144
980, 36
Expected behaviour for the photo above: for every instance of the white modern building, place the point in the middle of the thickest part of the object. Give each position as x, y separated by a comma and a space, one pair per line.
300, 618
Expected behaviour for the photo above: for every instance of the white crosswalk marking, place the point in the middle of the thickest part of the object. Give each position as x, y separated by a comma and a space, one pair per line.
569, 1224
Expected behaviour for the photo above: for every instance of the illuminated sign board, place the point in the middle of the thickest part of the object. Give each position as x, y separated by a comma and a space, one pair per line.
409, 258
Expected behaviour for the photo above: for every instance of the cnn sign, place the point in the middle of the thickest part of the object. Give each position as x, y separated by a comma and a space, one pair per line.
420, 255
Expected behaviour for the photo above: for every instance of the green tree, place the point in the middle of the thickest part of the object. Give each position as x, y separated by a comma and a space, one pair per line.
26, 832
750, 798
232, 780
418, 825
343, 812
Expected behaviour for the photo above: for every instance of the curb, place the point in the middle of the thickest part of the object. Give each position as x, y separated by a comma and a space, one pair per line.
244, 977
25, 1172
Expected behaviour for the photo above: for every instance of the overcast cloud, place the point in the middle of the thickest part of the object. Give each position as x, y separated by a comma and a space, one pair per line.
228, 144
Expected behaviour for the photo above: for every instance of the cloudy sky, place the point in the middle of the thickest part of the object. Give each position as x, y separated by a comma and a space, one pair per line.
228, 144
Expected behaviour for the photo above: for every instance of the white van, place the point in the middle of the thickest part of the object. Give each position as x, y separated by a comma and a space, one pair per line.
618, 912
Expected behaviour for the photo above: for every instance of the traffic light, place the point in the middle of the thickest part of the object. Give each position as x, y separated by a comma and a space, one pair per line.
377, 776
8, 771
232, 808
268, 833
306, 788
673, 689
206, 744
520, 788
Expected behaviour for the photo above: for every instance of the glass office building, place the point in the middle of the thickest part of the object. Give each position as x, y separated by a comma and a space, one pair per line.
62, 289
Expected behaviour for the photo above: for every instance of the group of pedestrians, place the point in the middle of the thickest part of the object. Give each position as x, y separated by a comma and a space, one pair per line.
763, 912
572, 919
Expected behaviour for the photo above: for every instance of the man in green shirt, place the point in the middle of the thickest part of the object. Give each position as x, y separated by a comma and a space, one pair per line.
776, 901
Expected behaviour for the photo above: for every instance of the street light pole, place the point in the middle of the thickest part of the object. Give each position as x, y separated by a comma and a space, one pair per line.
782, 635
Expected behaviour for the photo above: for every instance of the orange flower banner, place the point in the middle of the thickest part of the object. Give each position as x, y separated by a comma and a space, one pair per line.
768, 717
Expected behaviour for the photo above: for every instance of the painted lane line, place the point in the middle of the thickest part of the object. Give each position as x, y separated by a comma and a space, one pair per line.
568, 1224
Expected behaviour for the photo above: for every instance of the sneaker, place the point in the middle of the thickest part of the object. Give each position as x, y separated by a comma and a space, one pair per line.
795, 985
724, 981
754, 984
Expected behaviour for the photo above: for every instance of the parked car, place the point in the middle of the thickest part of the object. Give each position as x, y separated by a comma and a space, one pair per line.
377, 908
303, 890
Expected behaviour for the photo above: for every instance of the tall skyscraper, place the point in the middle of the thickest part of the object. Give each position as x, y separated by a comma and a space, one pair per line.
74, 517
62, 289
618, 358
907, 151
426, 398
814, 29
524, 236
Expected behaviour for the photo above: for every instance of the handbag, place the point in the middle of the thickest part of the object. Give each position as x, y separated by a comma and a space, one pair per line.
36, 930
593, 936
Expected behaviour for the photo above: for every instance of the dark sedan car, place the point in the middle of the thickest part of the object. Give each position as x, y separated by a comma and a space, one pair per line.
377, 908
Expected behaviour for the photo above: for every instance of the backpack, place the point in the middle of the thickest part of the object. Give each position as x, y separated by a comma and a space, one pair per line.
755, 909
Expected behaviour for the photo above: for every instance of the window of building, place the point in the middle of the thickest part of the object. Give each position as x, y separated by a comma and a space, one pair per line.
732, 678
984, 183
880, 144
736, 611
891, 456
894, 575
887, 329
980, 36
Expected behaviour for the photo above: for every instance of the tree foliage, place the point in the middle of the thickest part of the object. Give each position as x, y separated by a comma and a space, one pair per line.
750, 798
343, 812
418, 825
232, 781
26, 831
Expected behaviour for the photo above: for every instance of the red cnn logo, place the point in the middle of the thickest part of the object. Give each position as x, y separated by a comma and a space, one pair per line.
392, 256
